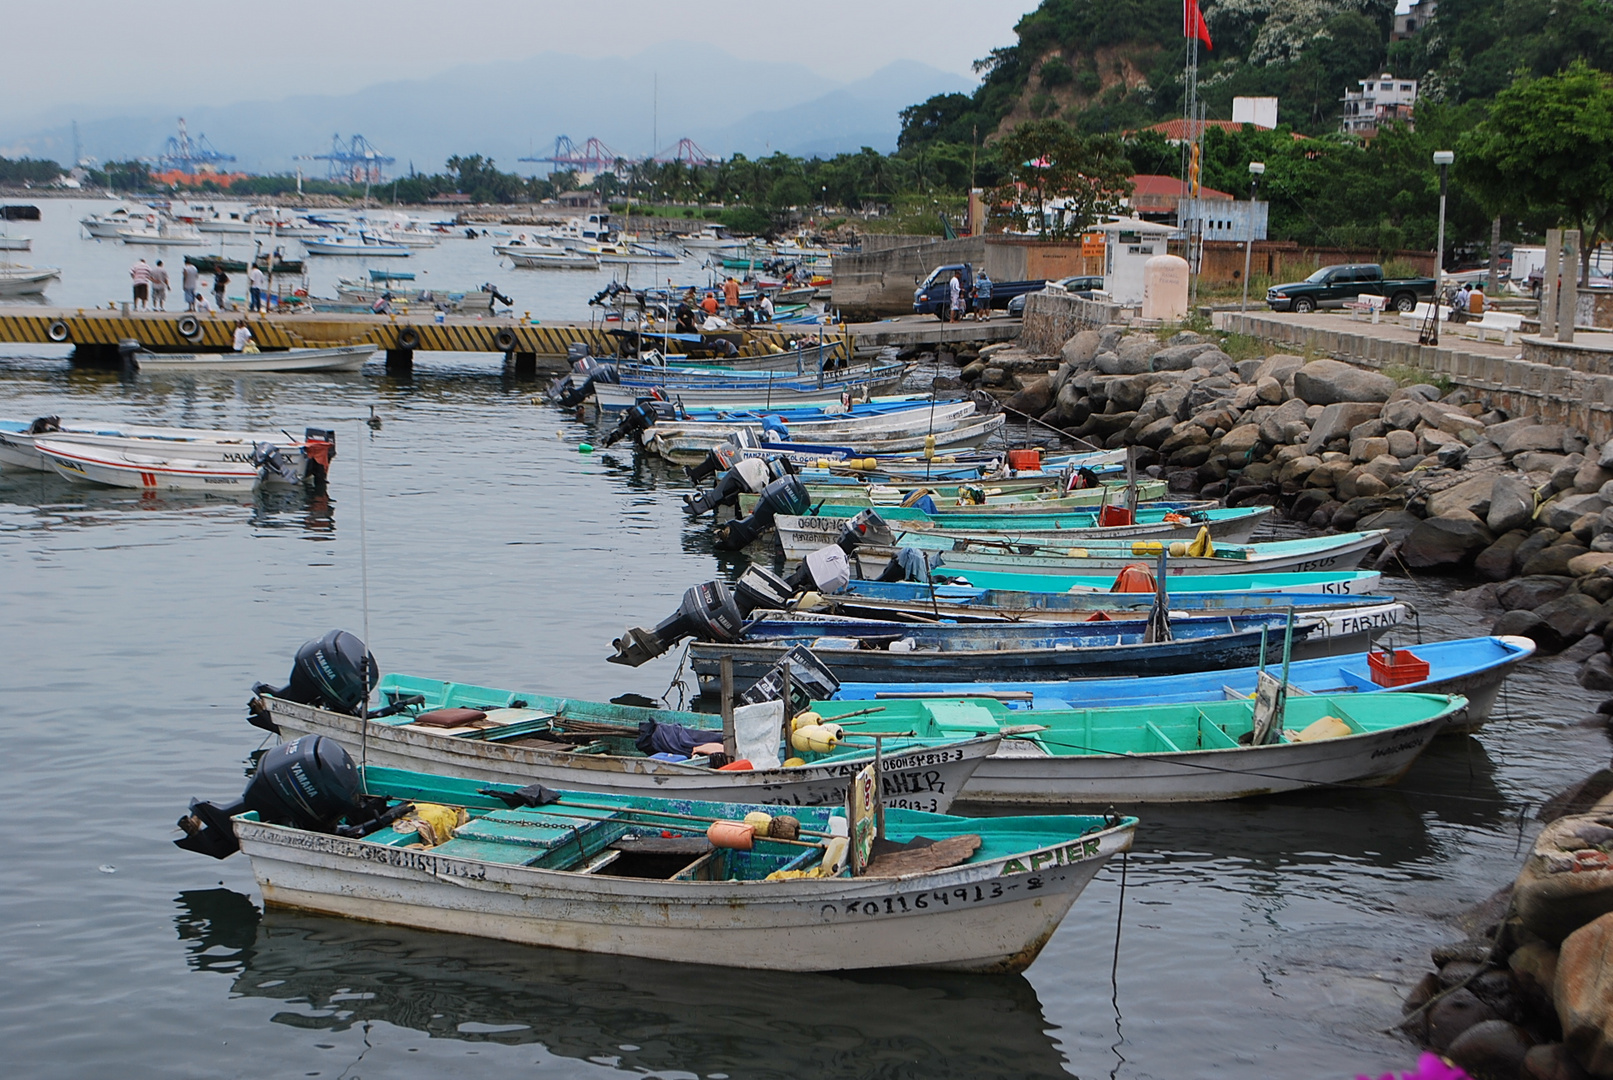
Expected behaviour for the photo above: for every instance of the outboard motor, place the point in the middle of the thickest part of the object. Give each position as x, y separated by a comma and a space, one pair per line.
747, 475
709, 611
43, 425
308, 783
329, 672
635, 422
786, 495
809, 681
273, 468
569, 393
724, 455
319, 445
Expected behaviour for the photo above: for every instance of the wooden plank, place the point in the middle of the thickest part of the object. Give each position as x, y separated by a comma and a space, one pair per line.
937, 856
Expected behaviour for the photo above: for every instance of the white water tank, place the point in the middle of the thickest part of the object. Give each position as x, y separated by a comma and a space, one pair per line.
1165, 288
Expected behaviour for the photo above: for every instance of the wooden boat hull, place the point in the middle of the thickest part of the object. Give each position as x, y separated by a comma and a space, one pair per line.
754, 659
1025, 774
992, 916
800, 535
1284, 556
147, 473
1475, 668
342, 358
922, 778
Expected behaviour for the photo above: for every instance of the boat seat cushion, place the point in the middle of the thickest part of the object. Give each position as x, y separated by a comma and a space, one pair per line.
450, 718
962, 716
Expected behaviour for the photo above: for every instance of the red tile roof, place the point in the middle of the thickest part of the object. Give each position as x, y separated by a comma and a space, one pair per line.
1153, 186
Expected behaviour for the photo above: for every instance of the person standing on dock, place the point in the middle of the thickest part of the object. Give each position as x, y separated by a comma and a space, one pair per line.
220, 280
140, 274
256, 282
190, 280
982, 296
159, 287
730, 295
955, 297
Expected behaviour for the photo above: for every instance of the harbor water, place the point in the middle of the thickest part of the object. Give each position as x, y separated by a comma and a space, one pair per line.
469, 538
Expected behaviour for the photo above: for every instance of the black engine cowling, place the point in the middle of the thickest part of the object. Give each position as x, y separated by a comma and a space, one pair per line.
786, 495
334, 672
308, 783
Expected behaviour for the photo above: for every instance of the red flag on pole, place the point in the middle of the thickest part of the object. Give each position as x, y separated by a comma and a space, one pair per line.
1193, 24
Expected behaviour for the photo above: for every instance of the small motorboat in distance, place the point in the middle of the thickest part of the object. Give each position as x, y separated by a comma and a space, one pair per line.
337, 358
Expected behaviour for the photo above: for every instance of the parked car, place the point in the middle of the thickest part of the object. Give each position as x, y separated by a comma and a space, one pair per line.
931, 296
1334, 286
1080, 285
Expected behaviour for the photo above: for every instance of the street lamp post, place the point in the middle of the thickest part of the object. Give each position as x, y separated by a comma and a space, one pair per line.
1256, 168
1442, 158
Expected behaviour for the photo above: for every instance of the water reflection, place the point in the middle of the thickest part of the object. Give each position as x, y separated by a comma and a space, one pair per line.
639, 1016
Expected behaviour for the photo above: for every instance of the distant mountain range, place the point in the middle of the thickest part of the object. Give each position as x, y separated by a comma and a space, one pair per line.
507, 111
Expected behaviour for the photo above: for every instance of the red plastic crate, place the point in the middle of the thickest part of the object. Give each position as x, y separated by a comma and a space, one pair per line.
1397, 667
1025, 460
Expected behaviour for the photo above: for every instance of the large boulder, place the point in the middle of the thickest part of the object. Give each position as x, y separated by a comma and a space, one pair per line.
1454, 1014
1572, 616
1583, 992
1530, 593
1542, 437
1280, 366
1490, 1048
1402, 415
1034, 399
1552, 560
1275, 427
1336, 421
1552, 1061
1179, 357
1327, 382
1268, 390
1449, 419
1240, 440
1472, 495
1450, 541
1081, 349
1561, 512
1567, 880
1494, 563
1512, 503
1114, 364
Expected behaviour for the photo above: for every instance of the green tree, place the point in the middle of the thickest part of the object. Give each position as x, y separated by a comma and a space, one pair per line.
1548, 145
1056, 182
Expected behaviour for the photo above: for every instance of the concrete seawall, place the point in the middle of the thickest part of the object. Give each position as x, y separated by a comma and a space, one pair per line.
1561, 383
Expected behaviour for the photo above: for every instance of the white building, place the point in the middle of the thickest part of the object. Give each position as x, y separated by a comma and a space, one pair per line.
1382, 100
1128, 245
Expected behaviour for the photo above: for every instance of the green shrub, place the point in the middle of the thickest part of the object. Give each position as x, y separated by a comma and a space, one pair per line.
1410, 375
1056, 72
1089, 82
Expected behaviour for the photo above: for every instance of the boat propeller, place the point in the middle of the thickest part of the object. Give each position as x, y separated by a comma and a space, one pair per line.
637, 420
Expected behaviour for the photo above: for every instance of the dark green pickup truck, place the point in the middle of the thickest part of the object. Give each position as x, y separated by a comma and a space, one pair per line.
1335, 286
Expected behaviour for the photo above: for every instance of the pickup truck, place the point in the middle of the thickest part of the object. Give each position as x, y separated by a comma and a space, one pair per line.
1334, 286
931, 297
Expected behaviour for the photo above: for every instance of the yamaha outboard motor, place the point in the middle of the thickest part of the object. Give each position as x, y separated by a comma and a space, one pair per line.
309, 783
786, 495
747, 475
709, 612
330, 673
578, 387
636, 421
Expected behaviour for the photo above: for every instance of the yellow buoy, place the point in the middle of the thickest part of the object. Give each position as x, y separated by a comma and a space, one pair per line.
805, 719
817, 739
1178, 547
794, 762
762, 823
1076, 553
1147, 547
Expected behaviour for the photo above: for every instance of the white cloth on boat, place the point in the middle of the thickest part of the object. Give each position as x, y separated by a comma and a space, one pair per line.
758, 730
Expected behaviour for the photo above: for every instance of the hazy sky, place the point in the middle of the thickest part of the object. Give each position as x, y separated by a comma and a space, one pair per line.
98, 53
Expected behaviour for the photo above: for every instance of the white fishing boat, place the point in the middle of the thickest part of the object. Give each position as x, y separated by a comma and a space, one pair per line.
19, 280
358, 244
521, 738
18, 439
147, 472
16, 243
536, 257
678, 440
644, 877
336, 358
159, 231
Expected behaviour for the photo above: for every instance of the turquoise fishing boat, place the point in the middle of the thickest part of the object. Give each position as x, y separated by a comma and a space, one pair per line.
1190, 752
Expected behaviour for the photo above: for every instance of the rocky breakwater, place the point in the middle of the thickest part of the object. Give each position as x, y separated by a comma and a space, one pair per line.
1461, 486
1529, 994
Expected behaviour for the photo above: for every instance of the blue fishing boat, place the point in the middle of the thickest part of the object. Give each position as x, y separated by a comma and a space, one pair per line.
1472, 667
1336, 582
867, 650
